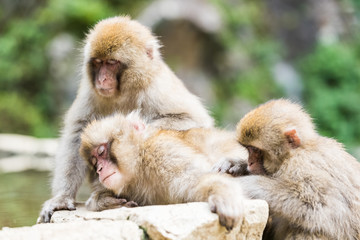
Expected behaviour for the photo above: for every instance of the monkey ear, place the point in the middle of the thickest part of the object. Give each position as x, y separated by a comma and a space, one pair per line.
152, 49
292, 138
136, 121
139, 126
150, 52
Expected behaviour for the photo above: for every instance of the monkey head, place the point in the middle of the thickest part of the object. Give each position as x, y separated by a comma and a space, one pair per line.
119, 50
272, 132
110, 147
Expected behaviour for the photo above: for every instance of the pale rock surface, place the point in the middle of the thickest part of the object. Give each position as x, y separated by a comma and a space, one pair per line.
178, 221
105, 229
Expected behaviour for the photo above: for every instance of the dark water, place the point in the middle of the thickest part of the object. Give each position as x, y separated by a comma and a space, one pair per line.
21, 197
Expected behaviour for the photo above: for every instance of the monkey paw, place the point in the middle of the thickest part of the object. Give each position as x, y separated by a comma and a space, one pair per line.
234, 167
102, 202
131, 204
230, 211
55, 204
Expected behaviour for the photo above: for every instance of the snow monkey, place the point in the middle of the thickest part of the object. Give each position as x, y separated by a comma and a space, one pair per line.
154, 166
122, 71
312, 185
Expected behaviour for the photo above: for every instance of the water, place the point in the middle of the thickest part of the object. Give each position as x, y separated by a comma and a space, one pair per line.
22, 194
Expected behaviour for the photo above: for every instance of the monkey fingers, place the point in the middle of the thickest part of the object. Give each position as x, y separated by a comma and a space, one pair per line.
55, 204
131, 204
109, 202
229, 213
231, 166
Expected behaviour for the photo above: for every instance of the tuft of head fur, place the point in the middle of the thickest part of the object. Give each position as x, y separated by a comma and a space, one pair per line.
266, 126
107, 129
274, 118
111, 37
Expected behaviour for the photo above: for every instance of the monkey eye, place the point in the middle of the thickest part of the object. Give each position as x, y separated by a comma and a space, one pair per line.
112, 61
101, 150
97, 60
253, 149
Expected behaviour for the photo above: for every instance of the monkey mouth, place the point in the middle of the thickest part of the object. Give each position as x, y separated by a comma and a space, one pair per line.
106, 92
105, 178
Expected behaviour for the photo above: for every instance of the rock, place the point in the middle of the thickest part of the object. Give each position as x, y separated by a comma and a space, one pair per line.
179, 221
104, 229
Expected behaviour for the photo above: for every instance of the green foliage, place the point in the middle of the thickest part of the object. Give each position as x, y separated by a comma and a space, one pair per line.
252, 54
24, 62
20, 116
332, 90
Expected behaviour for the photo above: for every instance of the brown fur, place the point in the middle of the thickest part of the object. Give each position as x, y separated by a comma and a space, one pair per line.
142, 82
311, 183
106, 39
168, 166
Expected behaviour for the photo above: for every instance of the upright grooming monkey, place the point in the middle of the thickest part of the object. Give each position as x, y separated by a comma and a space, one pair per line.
312, 185
154, 166
122, 71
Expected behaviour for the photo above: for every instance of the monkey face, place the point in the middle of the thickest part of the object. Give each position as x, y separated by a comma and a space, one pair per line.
109, 147
256, 161
113, 46
262, 161
109, 173
106, 76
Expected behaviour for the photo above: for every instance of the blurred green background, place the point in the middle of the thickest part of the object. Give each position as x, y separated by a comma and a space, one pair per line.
233, 54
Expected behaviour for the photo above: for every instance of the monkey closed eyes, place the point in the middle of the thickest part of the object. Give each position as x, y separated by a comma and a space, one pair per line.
312, 185
153, 166
122, 71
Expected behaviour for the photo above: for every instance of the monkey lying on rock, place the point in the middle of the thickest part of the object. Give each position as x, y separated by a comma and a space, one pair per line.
153, 166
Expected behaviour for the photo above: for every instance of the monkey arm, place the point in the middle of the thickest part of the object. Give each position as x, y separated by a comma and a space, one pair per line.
69, 169
230, 156
102, 198
224, 196
68, 175
298, 204
234, 166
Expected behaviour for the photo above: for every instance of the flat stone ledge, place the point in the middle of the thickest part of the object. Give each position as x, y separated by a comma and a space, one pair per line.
93, 229
178, 221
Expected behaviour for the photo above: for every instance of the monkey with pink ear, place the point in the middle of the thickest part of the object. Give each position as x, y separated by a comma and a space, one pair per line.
150, 165
312, 185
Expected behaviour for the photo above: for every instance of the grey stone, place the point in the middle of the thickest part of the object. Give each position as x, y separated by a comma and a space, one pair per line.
104, 229
179, 221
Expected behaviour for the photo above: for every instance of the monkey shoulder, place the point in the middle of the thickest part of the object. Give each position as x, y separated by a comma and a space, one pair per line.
171, 151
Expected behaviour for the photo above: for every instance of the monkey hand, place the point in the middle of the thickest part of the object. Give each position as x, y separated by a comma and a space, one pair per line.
55, 204
232, 166
105, 201
229, 209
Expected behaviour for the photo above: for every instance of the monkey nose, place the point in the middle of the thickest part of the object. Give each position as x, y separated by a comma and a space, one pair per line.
99, 168
102, 80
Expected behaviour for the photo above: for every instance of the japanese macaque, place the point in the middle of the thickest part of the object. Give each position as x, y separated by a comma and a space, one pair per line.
312, 185
154, 166
122, 71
